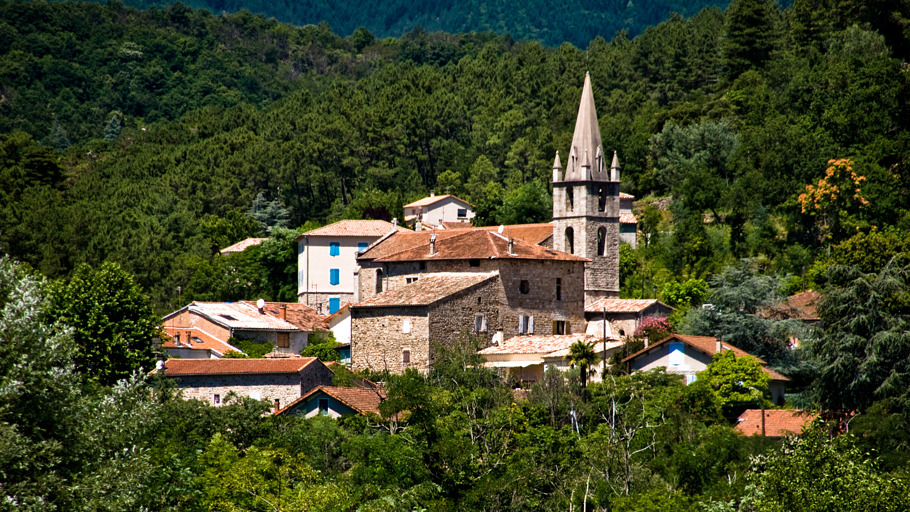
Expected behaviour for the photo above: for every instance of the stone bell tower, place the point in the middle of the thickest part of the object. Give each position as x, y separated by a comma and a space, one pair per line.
586, 203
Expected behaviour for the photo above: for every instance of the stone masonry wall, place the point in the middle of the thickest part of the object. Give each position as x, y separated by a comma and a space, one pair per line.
284, 387
378, 338
454, 317
540, 301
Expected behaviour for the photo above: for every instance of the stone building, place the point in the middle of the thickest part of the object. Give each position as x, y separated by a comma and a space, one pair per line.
586, 203
278, 381
527, 358
335, 402
438, 285
623, 316
198, 325
433, 211
628, 222
327, 265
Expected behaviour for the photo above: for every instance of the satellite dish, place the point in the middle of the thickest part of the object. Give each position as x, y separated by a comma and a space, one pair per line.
501, 228
260, 303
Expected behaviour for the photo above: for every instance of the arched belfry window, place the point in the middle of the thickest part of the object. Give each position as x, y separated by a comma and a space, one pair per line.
378, 280
602, 198
570, 198
570, 241
601, 241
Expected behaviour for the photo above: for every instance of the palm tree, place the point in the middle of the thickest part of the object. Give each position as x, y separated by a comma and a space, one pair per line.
582, 354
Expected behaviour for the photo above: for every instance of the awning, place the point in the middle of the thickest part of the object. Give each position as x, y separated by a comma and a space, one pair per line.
511, 364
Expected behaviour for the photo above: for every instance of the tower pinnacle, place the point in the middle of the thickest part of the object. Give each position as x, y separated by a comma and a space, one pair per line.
586, 141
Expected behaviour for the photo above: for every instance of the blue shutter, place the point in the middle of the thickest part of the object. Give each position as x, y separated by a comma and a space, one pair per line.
334, 249
362, 246
334, 276
334, 305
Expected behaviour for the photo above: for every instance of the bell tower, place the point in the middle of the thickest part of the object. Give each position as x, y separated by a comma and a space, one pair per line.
586, 203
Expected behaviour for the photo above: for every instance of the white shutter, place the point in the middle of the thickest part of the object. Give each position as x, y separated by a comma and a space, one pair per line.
530, 325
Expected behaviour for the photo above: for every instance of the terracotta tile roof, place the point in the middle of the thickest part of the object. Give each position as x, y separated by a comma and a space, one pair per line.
427, 201
623, 195
531, 233
456, 225
427, 290
237, 315
361, 400
336, 315
801, 306
201, 340
460, 244
189, 367
355, 228
708, 345
628, 218
550, 344
243, 245
778, 422
622, 305
299, 315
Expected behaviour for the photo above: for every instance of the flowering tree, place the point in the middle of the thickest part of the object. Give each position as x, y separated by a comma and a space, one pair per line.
835, 200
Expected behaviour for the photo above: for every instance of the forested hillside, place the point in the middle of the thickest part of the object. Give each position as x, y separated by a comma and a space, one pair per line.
576, 21
145, 137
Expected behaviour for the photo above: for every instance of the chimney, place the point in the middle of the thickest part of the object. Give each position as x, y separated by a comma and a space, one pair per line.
433, 245
277, 405
432, 193
283, 312
189, 338
718, 345
511, 247
395, 222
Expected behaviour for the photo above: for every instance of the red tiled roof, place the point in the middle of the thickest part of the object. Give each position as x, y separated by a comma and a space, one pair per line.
801, 306
243, 245
237, 315
460, 244
456, 225
543, 344
622, 305
428, 289
354, 228
202, 340
628, 218
623, 195
708, 345
426, 201
361, 400
299, 315
331, 318
778, 422
189, 367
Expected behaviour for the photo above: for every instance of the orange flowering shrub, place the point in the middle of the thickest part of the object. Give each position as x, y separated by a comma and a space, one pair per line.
835, 199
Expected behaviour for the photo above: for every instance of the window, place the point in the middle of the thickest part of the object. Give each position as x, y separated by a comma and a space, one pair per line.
570, 241
524, 287
474, 262
334, 276
602, 200
216, 399
690, 379
525, 324
378, 280
677, 354
480, 322
559, 327
570, 198
462, 213
334, 305
558, 288
284, 339
409, 280
324, 406
362, 246
406, 356
406, 325
601, 241
334, 249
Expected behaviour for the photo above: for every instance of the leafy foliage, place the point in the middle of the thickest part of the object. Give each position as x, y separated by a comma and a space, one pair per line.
735, 379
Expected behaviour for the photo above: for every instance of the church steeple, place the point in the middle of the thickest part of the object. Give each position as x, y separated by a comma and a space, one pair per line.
586, 141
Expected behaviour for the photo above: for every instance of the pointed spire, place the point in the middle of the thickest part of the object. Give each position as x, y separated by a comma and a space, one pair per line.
614, 168
586, 139
557, 169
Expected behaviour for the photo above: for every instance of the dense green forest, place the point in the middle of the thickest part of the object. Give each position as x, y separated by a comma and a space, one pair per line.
576, 22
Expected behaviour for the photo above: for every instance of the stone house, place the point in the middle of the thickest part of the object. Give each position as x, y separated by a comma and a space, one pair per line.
628, 222
278, 381
194, 343
433, 211
335, 402
326, 261
284, 324
623, 316
526, 358
687, 355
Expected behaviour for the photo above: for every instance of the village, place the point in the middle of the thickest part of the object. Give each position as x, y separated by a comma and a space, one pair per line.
394, 294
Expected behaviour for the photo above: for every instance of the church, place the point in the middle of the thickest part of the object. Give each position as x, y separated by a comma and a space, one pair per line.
417, 291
